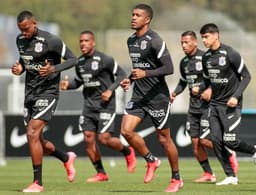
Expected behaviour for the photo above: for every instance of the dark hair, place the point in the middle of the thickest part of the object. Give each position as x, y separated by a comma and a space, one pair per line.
87, 32
146, 8
24, 15
209, 28
189, 33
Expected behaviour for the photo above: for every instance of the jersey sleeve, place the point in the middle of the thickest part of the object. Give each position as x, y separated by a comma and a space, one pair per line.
163, 56
76, 82
182, 82
237, 61
118, 73
58, 46
207, 82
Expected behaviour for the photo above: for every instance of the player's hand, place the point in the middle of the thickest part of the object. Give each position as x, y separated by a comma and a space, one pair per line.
125, 84
47, 69
232, 102
195, 90
105, 96
17, 68
138, 73
172, 97
207, 94
64, 83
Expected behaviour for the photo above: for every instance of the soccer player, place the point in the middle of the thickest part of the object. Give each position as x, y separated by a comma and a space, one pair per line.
151, 62
191, 74
40, 56
100, 75
228, 77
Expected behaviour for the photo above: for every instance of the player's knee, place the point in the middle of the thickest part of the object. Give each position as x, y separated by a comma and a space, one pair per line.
127, 134
104, 138
32, 134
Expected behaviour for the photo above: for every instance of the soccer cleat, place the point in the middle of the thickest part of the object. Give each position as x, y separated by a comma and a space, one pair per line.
99, 177
228, 180
174, 186
131, 161
33, 187
152, 166
69, 166
233, 162
207, 177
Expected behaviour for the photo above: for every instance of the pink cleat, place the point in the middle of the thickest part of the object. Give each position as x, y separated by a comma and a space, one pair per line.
233, 162
152, 166
131, 161
207, 177
175, 185
33, 187
69, 166
99, 177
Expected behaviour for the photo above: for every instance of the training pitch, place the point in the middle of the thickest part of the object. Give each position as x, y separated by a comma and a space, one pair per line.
17, 174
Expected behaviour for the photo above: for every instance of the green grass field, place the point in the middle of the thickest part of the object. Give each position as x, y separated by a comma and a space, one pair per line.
17, 174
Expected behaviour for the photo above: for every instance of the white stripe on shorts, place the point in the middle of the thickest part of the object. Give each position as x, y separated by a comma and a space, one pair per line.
166, 117
108, 124
232, 127
45, 110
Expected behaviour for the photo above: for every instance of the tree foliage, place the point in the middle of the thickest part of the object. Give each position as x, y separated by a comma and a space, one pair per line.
74, 16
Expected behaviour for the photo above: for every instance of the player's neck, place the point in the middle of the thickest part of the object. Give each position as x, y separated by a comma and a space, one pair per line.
142, 31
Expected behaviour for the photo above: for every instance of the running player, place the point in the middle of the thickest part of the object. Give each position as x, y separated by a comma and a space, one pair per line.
100, 75
151, 62
228, 78
191, 71
40, 56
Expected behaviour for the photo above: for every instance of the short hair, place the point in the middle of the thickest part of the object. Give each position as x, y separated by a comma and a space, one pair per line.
24, 15
146, 8
209, 28
189, 33
87, 32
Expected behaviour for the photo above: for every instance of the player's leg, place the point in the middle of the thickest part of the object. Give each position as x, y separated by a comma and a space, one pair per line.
128, 125
171, 152
34, 128
68, 158
106, 126
194, 128
94, 154
34, 131
205, 140
114, 143
219, 147
231, 119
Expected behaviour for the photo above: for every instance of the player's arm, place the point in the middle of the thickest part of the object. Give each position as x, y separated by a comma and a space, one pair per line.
58, 46
205, 87
119, 74
18, 67
164, 58
74, 83
242, 71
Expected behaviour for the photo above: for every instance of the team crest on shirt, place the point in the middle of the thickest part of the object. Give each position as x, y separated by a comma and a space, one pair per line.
222, 61
143, 44
38, 47
199, 66
95, 65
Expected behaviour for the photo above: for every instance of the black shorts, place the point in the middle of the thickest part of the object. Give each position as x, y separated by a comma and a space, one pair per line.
198, 125
39, 108
100, 122
159, 113
225, 122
